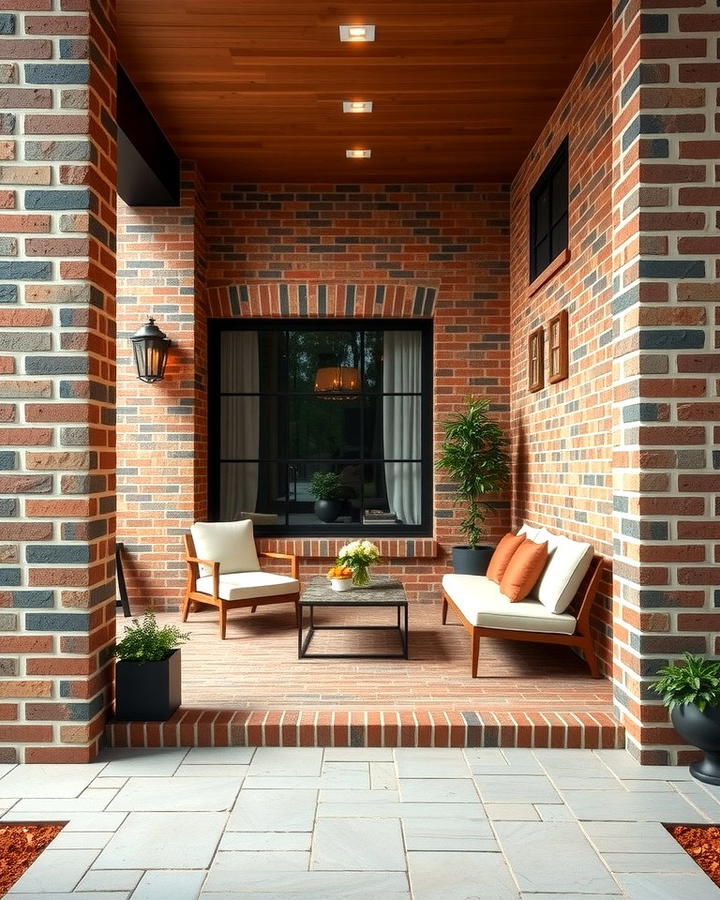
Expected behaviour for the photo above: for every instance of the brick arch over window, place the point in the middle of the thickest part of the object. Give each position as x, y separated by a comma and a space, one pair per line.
404, 301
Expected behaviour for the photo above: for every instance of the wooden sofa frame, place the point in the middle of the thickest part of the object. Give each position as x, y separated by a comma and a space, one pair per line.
214, 599
581, 637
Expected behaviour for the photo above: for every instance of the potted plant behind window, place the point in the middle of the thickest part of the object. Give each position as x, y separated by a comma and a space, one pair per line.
328, 491
147, 672
692, 694
473, 453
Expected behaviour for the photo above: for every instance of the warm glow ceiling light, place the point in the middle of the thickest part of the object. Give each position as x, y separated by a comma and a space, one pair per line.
358, 154
357, 106
334, 381
357, 33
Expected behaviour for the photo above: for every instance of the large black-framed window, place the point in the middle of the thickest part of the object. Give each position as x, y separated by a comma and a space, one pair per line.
292, 397
549, 213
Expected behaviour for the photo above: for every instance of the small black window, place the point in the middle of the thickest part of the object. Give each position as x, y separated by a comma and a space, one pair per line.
549, 213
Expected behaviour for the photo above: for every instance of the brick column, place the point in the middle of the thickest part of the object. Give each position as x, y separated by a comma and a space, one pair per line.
57, 295
162, 464
666, 361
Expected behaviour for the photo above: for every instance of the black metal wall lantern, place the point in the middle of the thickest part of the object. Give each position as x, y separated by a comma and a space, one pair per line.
150, 348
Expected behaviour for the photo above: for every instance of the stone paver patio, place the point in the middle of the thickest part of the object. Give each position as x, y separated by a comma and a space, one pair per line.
428, 824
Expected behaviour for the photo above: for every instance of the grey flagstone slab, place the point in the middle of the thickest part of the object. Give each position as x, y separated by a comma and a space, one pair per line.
553, 856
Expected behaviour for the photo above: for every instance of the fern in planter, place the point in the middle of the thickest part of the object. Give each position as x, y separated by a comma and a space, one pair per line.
692, 694
149, 642
696, 682
147, 673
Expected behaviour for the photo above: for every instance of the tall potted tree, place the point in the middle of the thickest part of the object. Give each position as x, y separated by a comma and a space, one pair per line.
473, 453
692, 694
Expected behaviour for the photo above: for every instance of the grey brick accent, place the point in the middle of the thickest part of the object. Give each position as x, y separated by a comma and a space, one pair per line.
57, 621
7, 23
8, 293
22, 270
57, 199
57, 553
19, 342
58, 150
62, 73
10, 577
8, 459
8, 507
56, 365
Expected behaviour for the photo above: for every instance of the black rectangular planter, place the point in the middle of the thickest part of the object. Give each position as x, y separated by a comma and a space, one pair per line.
149, 691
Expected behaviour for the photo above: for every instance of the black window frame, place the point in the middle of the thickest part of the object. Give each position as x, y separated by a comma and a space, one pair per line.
347, 529
552, 223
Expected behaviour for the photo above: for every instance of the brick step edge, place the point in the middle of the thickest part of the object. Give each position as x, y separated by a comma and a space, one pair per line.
193, 727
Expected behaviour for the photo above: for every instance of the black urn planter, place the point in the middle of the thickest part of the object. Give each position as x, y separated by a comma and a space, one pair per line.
471, 560
147, 691
328, 510
702, 729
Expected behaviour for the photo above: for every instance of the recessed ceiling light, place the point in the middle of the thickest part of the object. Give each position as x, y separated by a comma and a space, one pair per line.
357, 106
357, 33
358, 154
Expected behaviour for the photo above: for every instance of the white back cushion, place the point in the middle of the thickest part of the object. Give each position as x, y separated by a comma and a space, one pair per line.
568, 562
529, 532
232, 544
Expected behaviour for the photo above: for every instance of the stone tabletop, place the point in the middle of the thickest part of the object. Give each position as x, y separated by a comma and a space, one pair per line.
382, 591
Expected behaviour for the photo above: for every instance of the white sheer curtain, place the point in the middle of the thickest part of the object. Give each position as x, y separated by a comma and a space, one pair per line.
402, 372
240, 425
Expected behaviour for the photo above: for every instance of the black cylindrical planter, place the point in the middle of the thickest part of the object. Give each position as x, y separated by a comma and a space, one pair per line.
147, 691
702, 729
471, 560
328, 510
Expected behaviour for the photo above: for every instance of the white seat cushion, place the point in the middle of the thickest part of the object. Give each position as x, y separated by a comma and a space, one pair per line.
481, 602
249, 585
567, 565
232, 544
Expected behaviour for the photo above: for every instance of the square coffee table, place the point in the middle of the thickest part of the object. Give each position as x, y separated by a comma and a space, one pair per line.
381, 592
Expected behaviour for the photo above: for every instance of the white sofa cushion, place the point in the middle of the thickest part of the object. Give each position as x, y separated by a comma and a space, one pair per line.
567, 565
481, 602
529, 532
249, 585
232, 544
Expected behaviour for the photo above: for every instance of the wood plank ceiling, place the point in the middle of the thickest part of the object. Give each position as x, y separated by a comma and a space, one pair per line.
253, 89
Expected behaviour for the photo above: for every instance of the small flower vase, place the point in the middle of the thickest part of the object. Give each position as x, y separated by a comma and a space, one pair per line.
361, 576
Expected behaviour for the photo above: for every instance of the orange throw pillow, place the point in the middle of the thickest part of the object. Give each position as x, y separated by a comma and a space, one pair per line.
502, 556
523, 570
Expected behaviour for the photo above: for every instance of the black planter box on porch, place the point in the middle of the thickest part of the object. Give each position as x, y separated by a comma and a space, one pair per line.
147, 691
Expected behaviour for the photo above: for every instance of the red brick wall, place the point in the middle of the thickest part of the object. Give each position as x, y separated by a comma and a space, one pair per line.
57, 289
666, 264
562, 444
161, 457
453, 239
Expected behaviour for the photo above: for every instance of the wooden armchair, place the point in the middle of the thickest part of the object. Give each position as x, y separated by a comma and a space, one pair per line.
232, 577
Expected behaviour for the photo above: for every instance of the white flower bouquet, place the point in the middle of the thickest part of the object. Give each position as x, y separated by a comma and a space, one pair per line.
359, 556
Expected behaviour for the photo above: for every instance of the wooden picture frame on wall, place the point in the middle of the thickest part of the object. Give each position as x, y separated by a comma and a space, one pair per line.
536, 360
558, 347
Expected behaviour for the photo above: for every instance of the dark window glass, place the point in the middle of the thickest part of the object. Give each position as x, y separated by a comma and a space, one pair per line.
549, 213
290, 399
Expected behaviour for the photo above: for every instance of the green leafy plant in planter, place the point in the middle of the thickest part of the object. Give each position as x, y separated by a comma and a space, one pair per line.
328, 490
692, 694
147, 673
474, 454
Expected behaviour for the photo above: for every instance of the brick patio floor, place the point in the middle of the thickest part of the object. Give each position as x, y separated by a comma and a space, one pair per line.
252, 689
366, 823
